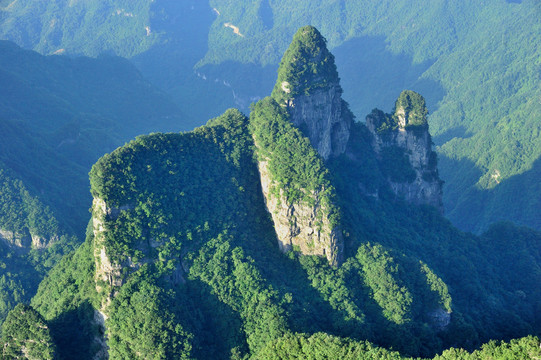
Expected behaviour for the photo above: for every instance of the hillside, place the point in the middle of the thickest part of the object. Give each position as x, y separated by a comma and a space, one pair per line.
185, 256
58, 115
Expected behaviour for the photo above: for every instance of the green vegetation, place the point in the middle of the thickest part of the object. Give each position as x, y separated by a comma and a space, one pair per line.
143, 323
414, 107
207, 274
295, 166
201, 275
57, 116
307, 66
323, 346
524, 348
25, 334
23, 214
475, 63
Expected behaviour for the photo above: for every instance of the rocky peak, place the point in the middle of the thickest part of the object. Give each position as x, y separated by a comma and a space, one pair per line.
403, 139
410, 110
309, 87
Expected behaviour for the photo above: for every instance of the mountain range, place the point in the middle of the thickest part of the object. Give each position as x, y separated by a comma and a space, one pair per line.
324, 219
476, 64
292, 231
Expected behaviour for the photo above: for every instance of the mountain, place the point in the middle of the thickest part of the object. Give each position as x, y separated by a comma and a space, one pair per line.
246, 237
58, 115
475, 64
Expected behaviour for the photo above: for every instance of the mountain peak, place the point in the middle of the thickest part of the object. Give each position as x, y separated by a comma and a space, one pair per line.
306, 66
410, 109
309, 87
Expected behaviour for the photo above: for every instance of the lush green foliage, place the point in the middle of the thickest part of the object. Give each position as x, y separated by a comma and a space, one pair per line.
159, 177
143, 323
410, 280
25, 334
421, 234
237, 282
67, 298
202, 275
476, 63
414, 107
20, 212
120, 28
524, 348
307, 66
57, 116
323, 346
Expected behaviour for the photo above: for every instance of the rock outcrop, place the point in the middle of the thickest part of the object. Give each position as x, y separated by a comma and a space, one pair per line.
25, 240
309, 87
405, 133
15, 239
302, 225
108, 273
112, 270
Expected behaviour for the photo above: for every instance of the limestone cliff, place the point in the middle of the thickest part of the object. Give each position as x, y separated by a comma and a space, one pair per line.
25, 240
405, 135
296, 185
15, 239
309, 87
302, 225
108, 274
112, 269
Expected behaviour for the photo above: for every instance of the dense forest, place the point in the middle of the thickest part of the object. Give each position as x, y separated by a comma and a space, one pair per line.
185, 256
475, 63
181, 258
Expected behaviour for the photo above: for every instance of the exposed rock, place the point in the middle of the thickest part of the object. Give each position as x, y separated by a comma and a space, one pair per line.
113, 274
407, 129
324, 119
99, 336
107, 272
309, 87
14, 239
24, 241
302, 226
39, 242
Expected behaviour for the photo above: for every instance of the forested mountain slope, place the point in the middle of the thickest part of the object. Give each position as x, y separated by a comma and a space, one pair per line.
58, 115
183, 259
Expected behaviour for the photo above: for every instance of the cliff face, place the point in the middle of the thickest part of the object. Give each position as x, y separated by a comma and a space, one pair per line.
324, 118
309, 87
405, 133
25, 240
302, 225
108, 273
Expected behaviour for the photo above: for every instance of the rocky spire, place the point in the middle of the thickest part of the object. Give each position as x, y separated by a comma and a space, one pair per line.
402, 138
309, 87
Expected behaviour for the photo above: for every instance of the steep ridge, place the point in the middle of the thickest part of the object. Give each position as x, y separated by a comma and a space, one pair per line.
58, 115
308, 88
296, 186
